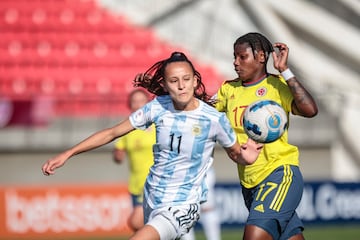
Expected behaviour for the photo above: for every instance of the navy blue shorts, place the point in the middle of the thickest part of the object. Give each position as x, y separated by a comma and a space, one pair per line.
137, 199
273, 202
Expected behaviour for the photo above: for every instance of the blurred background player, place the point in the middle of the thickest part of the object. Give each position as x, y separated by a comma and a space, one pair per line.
137, 148
209, 217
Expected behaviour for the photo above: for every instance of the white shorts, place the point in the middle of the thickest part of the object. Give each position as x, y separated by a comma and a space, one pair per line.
172, 222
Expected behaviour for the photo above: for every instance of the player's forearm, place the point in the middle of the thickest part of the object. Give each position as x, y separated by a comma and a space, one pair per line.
94, 141
101, 138
304, 103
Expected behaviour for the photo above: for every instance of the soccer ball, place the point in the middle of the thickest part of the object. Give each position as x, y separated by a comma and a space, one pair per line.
265, 121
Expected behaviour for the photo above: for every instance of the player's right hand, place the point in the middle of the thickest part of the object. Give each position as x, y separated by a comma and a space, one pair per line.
53, 163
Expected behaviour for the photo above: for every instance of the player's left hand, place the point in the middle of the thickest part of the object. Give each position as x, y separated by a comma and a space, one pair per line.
280, 56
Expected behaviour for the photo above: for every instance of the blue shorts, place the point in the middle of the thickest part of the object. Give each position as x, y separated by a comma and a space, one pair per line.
273, 202
137, 199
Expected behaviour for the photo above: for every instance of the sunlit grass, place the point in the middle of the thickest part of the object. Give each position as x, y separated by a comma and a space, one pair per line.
314, 232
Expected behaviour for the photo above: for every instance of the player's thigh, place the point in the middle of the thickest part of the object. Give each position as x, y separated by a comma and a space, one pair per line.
252, 232
146, 233
172, 222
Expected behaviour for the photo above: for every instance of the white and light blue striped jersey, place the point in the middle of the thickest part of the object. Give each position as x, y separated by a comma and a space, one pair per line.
185, 142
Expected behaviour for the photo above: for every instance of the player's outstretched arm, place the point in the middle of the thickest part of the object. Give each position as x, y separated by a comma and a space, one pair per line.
246, 153
96, 140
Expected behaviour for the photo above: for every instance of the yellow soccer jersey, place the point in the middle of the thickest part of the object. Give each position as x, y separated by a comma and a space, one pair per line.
138, 146
233, 97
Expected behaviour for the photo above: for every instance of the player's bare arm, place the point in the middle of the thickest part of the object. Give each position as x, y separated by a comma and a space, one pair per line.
96, 140
303, 104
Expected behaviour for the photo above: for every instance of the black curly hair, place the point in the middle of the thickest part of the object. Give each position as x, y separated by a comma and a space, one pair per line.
257, 42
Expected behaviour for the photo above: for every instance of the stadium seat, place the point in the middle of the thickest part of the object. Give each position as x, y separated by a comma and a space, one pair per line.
82, 55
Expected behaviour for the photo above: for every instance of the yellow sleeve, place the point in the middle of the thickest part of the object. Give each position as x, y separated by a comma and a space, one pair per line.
221, 99
120, 144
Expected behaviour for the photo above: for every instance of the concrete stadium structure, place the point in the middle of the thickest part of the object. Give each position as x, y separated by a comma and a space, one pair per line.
323, 41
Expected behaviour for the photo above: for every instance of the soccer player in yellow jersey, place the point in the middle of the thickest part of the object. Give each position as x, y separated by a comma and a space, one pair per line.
137, 147
272, 186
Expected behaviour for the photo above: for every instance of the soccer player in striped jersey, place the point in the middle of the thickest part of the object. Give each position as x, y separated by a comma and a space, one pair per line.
187, 128
136, 147
272, 186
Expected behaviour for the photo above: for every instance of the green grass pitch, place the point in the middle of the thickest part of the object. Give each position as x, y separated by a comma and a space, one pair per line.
316, 232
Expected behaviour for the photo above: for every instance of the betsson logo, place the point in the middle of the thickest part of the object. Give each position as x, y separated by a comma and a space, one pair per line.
65, 213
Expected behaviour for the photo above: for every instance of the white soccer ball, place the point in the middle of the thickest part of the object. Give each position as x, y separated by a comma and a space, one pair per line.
265, 121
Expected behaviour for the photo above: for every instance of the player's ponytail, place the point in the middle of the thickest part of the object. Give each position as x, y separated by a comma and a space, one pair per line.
152, 79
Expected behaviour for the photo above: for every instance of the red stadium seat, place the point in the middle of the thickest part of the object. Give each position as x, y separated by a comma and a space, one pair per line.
82, 55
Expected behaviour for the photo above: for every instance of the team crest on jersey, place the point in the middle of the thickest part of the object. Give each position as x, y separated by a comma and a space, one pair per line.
261, 91
196, 130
